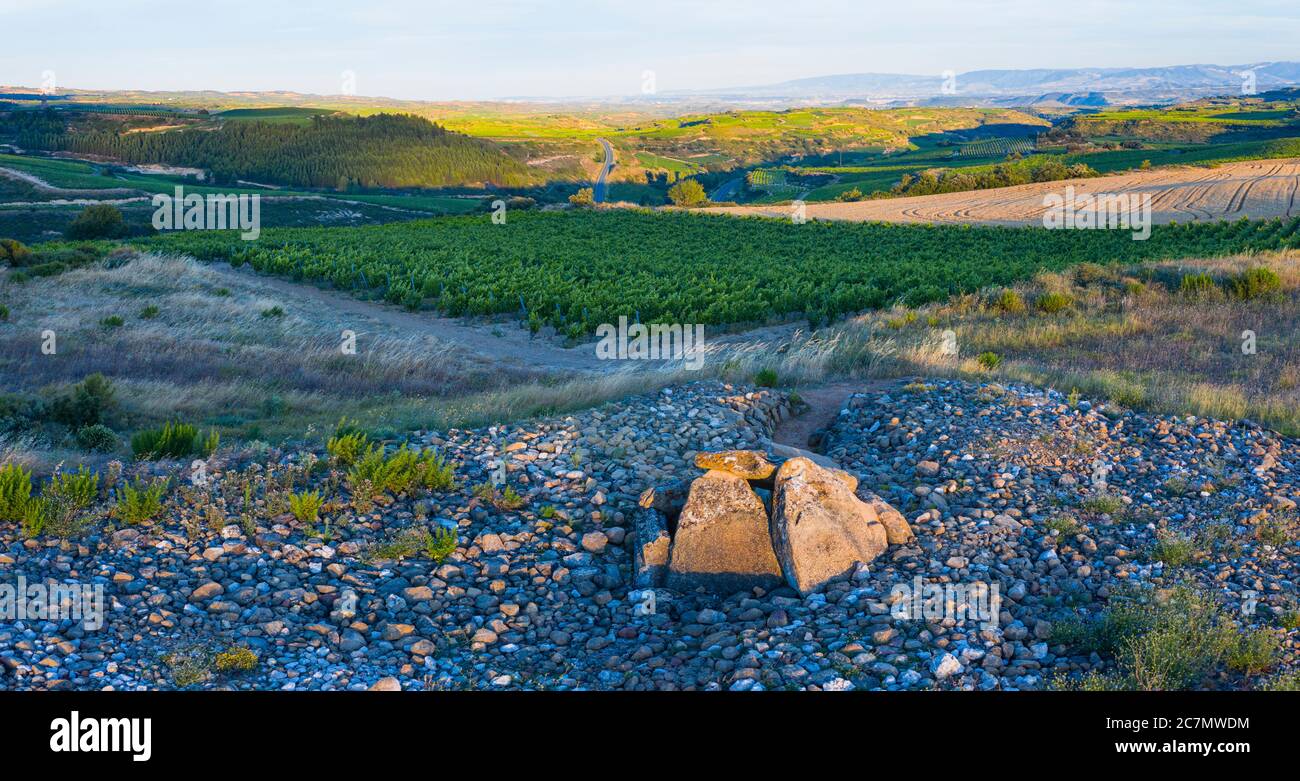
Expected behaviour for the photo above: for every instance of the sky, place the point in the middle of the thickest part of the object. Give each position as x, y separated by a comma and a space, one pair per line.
488, 49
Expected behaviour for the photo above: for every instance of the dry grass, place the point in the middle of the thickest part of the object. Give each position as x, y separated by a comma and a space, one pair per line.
210, 357
1130, 337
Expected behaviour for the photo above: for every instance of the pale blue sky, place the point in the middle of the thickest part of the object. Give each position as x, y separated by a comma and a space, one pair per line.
477, 49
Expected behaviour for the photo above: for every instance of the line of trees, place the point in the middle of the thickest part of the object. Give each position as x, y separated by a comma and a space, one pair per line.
338, 152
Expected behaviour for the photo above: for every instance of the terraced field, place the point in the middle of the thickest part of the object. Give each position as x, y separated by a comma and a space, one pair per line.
1258, 189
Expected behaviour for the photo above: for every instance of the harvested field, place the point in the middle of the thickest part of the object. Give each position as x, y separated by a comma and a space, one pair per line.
1258, 189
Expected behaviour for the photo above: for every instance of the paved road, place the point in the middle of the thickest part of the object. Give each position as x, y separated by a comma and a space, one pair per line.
728, 190
599, 191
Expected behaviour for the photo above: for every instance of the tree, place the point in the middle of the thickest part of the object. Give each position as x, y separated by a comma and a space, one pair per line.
584, 197
687, 192
100, 221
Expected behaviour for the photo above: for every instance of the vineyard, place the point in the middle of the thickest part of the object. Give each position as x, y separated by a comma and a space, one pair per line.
997, 147
577, 270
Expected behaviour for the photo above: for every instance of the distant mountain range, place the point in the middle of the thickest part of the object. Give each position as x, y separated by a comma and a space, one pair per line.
1062, 86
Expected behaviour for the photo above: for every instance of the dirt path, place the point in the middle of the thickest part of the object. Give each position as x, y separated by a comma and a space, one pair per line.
824, 404
503, 343
44, 186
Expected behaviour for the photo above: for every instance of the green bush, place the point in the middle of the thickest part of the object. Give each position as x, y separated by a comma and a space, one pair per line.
305, 506
140, 502
1051, 303
4, 313
100, 221
346, 448
989, 360
78, 488
36, 515
433, 472
1009, 301
1160, 642
97, 438
1196, 285
149, 312
1173, 550
14, 253
402, 472
1256, 652
1256, 283
15, 492
86, 404
765, 378
439, 544
173, 440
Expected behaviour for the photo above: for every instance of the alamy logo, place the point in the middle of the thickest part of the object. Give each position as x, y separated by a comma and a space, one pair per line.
654, 342
209, 212
1103, 210
53, 601
95, 735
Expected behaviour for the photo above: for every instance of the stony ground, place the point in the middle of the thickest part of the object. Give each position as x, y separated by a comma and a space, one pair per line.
538, 596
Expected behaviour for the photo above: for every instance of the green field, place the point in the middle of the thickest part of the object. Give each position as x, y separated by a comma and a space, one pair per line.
577, 270
277, 114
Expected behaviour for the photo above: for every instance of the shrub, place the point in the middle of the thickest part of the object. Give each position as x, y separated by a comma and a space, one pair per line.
149, 312
100, 221
15, 492
439, 544
506, 498
4, 313
1090, 273
583, 197
14, 253
97, 438
345, 449
237, 659
173, 440
433, 472
112, 321
399, 545
989, 360
1256, 651
86, 403
36, 516
1196, 285
1103, 504
1051, 303
687, 192
1256, 283
1160, 642
1064, 525
274, 311
1173, 550
140, 502
78, 488
1009, 301
765, 378
305, 506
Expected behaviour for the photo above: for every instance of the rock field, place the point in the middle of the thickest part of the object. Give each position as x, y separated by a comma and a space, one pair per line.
1058, 504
